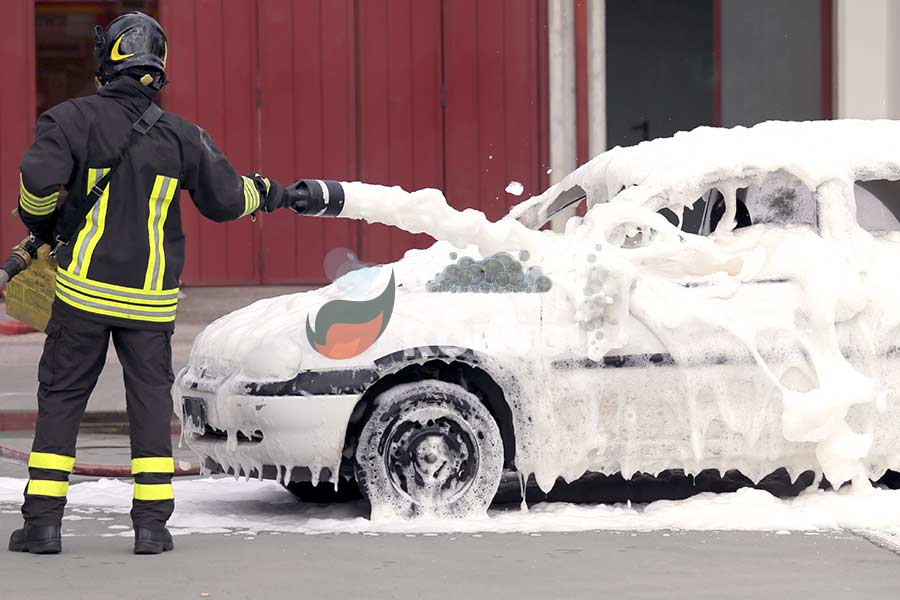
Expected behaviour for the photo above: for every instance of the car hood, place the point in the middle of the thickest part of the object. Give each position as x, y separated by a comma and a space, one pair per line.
268, 339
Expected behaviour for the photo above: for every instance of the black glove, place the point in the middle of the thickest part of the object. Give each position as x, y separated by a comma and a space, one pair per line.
315, 197
272, 194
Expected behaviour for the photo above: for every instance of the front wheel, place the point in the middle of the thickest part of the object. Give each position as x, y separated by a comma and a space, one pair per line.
429, 448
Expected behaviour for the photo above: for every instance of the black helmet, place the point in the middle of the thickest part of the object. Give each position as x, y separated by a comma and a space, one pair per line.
132, 41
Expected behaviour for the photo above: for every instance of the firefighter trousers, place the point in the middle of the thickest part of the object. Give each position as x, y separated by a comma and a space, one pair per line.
73, 358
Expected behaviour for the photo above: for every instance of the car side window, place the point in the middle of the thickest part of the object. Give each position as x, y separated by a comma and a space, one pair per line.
692, 217
878, 205
781, 201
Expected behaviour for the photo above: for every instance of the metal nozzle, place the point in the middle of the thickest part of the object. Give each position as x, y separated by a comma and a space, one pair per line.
317, 197
20, 259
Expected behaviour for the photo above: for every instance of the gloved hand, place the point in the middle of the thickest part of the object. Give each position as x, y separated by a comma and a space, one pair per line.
272, 193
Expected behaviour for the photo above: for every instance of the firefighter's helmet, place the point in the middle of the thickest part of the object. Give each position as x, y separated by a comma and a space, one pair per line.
132, 41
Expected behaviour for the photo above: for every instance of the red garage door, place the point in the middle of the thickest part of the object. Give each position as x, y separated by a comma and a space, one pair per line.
17, 102
212, 74
416, 93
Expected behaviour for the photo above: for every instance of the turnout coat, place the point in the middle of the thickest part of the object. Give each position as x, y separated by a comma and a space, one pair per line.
124, 264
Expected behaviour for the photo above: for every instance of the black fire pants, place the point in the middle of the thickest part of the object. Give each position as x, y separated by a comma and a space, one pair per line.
74, 356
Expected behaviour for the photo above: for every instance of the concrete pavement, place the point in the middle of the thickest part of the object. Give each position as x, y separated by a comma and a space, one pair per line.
715, 565
97, 563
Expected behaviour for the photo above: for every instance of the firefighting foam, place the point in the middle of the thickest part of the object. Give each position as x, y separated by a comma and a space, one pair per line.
811, 388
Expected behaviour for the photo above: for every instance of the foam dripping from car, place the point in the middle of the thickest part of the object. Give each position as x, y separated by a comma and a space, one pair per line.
624, 259
638, 279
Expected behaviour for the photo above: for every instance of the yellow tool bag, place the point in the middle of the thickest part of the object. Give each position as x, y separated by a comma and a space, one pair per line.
29, 296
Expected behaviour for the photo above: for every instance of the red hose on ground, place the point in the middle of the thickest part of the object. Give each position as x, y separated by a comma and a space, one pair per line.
88, 470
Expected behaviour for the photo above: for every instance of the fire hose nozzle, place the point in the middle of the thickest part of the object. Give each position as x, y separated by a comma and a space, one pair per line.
21, 258
317, 197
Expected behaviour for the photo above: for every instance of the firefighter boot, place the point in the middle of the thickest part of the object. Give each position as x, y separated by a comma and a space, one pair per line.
152, 541
45, 539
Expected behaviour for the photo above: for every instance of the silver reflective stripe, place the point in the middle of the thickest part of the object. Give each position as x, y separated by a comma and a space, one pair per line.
156, 250
325, 195
122, 294
119, 309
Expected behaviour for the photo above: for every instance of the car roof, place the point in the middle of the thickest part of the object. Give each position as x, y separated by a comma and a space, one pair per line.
679, 169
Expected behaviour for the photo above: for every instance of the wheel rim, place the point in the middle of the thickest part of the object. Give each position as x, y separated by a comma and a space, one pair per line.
431, 459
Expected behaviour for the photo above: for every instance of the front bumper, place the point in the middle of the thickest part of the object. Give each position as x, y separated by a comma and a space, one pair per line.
292, 438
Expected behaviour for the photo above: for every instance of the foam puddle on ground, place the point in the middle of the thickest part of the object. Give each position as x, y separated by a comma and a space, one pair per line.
220, 505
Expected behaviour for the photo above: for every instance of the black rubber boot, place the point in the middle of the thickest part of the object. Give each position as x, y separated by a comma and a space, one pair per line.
45, 539
152, 541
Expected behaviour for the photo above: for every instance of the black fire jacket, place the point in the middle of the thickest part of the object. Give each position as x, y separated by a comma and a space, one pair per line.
124, 264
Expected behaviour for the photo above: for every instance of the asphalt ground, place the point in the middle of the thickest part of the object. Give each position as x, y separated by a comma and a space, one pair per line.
715, 565
97, 563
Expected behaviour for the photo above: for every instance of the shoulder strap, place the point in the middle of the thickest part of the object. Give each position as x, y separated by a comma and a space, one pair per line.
84, 205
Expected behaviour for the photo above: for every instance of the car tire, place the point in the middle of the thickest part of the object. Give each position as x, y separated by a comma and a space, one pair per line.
324, 493
429, 448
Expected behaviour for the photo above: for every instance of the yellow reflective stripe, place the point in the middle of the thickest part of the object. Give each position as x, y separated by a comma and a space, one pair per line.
112, 304
34, 199
38, 212
38, 206
167, 202
251, 196
160, 199
94, 225
75, 265
129, 296
151, 230
95, 287
54, 462
101, 207
152, 465
153, 491
122, 314
42, 487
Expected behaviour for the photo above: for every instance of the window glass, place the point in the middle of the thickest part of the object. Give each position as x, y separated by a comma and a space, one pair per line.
781, 200
691, 217
64, 56
878, 205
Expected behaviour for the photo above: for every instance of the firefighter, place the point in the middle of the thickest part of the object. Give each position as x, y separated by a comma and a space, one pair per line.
119, 272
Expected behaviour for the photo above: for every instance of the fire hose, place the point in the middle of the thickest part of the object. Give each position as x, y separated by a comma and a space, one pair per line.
90, 470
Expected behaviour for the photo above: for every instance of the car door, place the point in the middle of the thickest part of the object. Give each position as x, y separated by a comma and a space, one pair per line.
685, 389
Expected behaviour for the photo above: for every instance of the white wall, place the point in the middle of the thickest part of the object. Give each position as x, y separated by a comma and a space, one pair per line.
561, 50
867, 59
596, 31
561, 64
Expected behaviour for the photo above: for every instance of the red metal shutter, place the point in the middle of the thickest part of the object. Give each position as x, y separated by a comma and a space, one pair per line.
416, 93
493, 115
17, 108
212, 70
401, 125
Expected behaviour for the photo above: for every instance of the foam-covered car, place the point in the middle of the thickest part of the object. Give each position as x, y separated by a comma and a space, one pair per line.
729, 300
